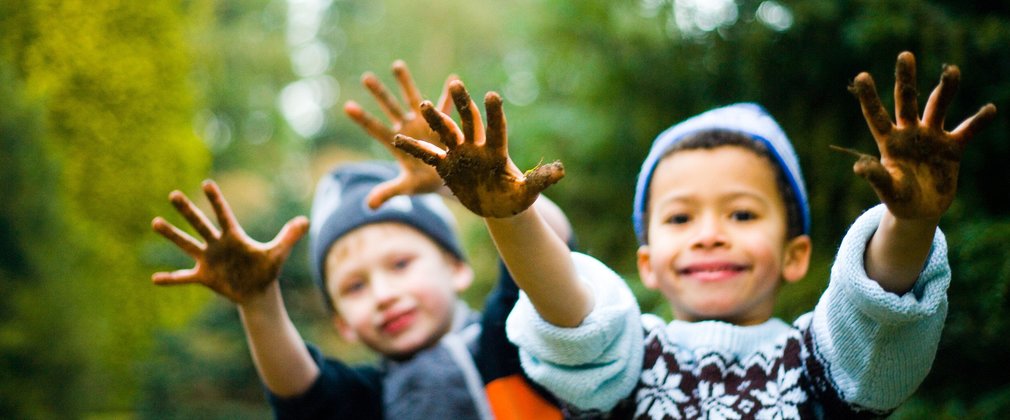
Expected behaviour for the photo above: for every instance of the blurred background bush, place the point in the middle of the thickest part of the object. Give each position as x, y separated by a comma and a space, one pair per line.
107, 105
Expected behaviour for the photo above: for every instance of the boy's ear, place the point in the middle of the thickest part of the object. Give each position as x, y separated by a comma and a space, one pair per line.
345, 330
645, 268
462, 276
796, 259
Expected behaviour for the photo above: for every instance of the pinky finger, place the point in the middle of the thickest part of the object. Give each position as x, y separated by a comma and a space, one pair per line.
427, 152
970, 127
173, 278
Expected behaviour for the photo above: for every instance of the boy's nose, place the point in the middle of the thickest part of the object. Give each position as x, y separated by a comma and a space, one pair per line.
709, 233
383, 290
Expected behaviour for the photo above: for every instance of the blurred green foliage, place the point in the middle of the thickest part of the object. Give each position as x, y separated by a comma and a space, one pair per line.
104, 104
97, 117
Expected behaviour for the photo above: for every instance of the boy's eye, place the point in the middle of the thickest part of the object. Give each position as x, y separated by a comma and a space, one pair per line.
352, 287
678, 219
401, 263
743, 215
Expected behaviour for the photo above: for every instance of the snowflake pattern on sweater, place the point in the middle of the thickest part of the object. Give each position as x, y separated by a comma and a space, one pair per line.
787, 382
860, 353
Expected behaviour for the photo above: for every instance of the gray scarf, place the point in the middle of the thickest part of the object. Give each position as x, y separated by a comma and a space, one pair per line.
440, 382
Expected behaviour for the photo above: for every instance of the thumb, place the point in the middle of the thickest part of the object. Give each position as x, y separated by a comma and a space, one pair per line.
869, 168
290, 234
543, 176
383, 192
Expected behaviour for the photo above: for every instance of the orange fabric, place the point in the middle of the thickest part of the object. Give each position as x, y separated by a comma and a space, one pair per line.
512, 398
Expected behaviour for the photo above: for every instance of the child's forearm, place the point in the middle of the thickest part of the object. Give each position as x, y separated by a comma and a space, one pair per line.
555, 218
541, 265
897, 251
281, 358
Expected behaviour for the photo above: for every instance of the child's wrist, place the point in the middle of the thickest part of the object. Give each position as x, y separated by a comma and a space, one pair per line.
917, 223
261, 300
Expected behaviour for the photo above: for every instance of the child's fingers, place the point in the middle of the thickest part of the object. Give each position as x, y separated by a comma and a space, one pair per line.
970, 127
869, 167
444, 104
225, 217
906, 103
469, 114
407, 85
372, 125
423, 150
186, 276
289, 235
187, 243
936, 107
544, 176
441, 124
497, 133
384, 191
874, 112
193, 215
386, 101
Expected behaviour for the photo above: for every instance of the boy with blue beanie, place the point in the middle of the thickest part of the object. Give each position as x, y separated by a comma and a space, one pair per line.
390, 271
721, 215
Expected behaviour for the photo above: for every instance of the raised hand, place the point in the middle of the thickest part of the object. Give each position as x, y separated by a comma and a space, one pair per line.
415, 176
229, 262
916, 174
475, 164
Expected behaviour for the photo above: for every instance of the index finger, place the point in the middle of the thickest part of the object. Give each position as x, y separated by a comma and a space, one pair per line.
497, 133
386, 100
873, 111
372, 125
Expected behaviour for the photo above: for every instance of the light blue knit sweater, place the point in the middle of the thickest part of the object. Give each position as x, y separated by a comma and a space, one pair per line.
861, 351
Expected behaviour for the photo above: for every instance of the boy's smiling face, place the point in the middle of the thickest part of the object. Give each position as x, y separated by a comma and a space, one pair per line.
717, 236
393, 288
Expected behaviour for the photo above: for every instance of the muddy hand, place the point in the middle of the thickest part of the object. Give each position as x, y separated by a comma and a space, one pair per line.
475, 163
916, 174
228, 262
415, 177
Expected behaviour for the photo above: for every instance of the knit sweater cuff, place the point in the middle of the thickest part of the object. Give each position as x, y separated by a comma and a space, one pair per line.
927, 296
591, 366
878, 346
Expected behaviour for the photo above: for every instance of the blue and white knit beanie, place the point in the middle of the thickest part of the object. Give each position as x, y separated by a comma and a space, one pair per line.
746, 118
340, 206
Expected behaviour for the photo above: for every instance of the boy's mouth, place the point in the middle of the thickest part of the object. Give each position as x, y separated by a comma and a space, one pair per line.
712, 271
397, 322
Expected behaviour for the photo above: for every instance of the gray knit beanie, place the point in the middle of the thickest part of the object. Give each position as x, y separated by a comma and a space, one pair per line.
340, 206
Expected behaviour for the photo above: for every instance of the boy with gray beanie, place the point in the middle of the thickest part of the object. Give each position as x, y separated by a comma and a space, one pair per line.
389, 270
390, 278
721, 215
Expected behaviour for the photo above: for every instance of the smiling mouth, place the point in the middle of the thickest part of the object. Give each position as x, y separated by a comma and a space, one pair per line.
712, 272
397, 323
